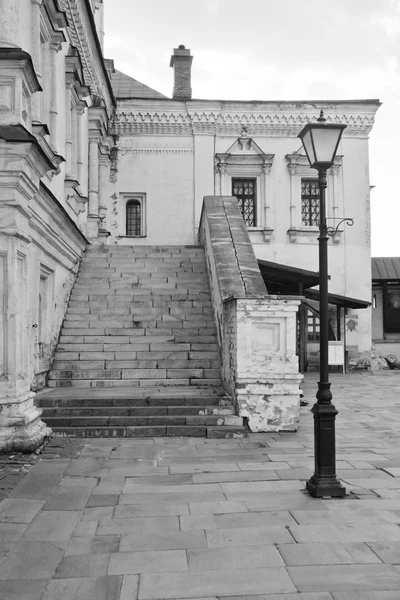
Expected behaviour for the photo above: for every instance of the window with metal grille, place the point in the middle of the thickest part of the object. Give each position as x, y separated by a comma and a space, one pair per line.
245, 192
133, 218
309, 202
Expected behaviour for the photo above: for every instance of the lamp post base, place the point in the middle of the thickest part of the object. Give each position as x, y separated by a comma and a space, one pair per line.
325, 486
324, 481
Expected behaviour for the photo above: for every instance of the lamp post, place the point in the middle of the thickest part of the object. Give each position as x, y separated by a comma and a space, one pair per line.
320, 141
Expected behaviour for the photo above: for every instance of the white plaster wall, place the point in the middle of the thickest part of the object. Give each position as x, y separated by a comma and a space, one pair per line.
166, 176
15, 23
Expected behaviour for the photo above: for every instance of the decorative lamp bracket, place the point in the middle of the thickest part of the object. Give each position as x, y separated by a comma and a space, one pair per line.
334, 230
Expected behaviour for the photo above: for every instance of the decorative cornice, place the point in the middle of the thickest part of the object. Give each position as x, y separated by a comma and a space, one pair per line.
80, 38
161, 121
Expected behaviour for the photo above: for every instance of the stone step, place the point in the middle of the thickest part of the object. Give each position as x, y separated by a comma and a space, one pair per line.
143, 420
153, 396
114, 383
180, 334
173, 363
132, 373
223, 432
109, 311
137, 411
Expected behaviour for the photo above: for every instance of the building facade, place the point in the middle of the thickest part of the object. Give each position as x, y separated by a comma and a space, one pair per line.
91, 156
56, 102
173, 152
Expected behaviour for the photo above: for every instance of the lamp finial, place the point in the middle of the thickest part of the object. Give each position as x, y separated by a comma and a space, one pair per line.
321, 118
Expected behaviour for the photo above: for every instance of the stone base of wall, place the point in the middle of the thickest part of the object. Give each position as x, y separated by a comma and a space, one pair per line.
273, 405
22, 431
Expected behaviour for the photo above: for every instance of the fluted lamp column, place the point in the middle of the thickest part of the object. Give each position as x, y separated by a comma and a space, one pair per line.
320, 141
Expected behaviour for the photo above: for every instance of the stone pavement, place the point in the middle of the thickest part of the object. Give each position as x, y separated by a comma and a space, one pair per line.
180, 518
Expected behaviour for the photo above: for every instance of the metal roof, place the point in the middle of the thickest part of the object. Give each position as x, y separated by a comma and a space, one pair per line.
387, 268
286, 277
339, 300
127, 87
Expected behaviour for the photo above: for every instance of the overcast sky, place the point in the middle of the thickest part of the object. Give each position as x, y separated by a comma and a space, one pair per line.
275, 50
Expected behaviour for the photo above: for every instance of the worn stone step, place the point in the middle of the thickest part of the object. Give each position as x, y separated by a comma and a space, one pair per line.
156, 431
112, 383
71, 365
132, 374
136, 411
189, 404
143, 420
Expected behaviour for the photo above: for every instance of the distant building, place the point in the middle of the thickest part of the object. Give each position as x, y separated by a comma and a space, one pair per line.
91, 156
386, 305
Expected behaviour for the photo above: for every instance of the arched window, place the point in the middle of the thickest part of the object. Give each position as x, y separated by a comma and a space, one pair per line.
133, 218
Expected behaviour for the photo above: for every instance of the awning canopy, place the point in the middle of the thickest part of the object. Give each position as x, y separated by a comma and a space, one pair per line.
288, 280
344, 301
284, 279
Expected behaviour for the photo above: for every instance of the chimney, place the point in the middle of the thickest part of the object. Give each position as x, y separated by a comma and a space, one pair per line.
181, 61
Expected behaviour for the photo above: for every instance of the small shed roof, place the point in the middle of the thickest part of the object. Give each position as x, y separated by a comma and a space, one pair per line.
386, 268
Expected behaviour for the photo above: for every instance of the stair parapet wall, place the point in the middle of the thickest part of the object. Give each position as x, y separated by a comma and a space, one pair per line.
256, 332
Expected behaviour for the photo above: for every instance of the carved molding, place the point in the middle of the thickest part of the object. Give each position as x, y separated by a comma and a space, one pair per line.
80, 38
268, 123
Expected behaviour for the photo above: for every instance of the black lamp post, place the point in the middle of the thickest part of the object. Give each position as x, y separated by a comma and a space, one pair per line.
321, 141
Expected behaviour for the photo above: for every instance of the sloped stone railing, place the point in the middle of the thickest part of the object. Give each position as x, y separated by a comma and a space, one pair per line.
256, 332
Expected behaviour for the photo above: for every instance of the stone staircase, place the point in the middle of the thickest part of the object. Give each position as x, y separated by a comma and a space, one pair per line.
138, 355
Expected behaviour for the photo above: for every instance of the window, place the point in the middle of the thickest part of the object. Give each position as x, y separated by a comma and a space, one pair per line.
133, 218
312, 326
245, 192
309, 202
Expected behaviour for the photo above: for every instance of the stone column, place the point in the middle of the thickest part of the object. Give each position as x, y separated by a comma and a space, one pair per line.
35, 53
104, 163
292, 171
93, 215
54, 49
79, 118
68, 131
268, 224
74, 144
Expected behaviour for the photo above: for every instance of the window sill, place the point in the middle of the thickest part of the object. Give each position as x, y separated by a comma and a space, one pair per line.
266, 231
309, 234
130, 236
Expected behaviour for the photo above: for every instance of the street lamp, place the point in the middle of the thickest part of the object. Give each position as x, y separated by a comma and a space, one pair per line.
321, 141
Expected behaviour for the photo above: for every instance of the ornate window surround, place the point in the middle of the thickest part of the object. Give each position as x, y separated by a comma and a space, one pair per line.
124, 198
299, 168
246, 159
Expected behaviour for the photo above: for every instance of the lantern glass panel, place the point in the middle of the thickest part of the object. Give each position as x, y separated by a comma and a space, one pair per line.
325, 143
308, 146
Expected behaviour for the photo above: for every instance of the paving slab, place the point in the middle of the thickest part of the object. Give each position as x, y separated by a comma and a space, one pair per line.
345, 577
87, 565
52, 525
23, 589
220, 583
388, 552
249, 536
93, 545
19, 510
243, 557
175, 540
84, 588
147, 562
29, 560
328, 554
